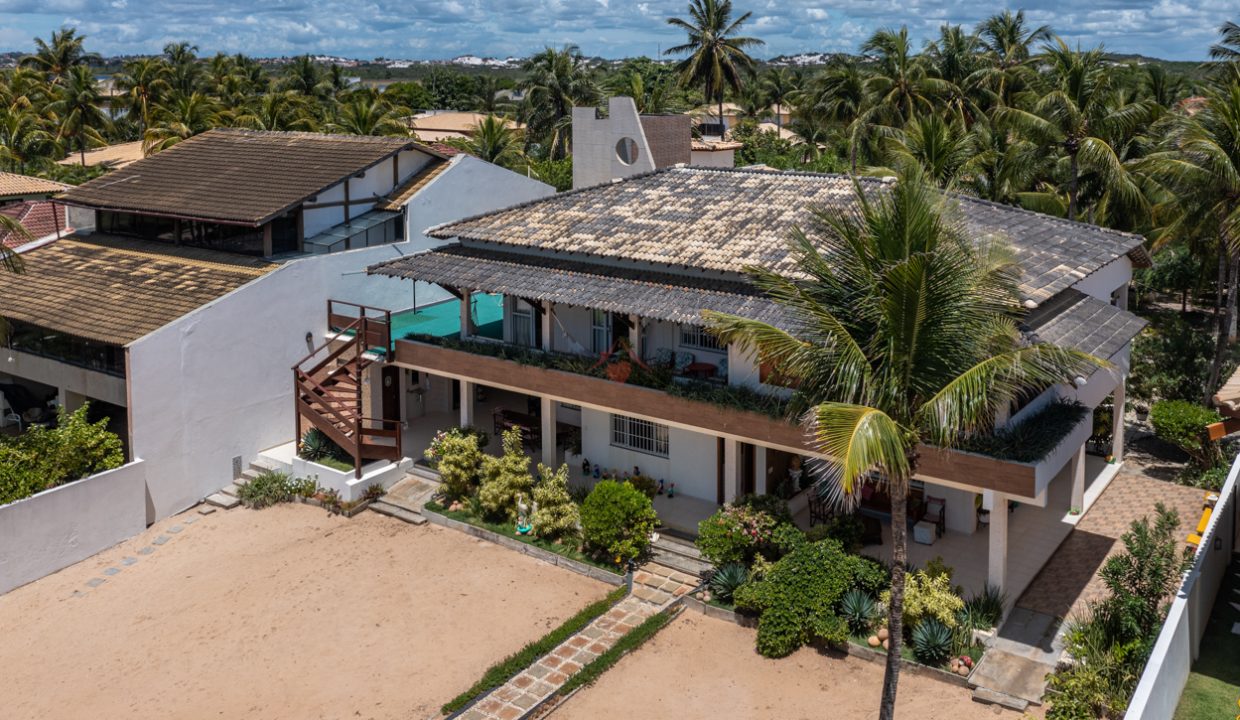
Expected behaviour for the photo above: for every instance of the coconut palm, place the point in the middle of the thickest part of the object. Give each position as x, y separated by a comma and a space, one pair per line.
142, 83
780, 85
1008, 42
179, 118
184, 71
555, 81
935, 149
23, 140
717, 59
489, 95
838, 95
495, 141
367, 113
1227, 49
902, 86
1201, 169
77, 108
650, 96
305, 77
55, 58
908, 336
286, 110
1080, 120
1004, 164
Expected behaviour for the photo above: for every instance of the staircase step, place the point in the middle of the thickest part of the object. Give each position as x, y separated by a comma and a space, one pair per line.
679, 545
399, 513
221, 500
994, 697
676, 561
232, 490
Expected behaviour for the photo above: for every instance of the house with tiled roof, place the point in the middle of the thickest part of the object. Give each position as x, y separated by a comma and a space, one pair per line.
26, 200
546, 293
196, 277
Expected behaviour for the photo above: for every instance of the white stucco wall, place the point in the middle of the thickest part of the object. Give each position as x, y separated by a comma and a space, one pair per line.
58, 527
713, 158
1106, 279
691, 460
375, 183
217, 383
595, 160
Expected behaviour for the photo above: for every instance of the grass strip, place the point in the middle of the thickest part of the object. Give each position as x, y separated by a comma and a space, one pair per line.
500, 672
630, 642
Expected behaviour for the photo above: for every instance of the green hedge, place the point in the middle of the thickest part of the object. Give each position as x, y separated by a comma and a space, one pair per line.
500, 672
41, 458
1033, 438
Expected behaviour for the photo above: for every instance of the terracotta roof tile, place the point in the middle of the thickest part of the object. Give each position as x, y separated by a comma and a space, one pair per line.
116, 290
13, 185
40, 219
725, 220
237, 176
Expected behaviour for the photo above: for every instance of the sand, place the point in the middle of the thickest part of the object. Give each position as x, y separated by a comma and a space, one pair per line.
699, 667
279, 613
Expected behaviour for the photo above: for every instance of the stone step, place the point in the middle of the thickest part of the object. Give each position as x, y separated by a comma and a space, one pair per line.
221, 500
423, 472
676, 561
399, 513
232, 490
679, 545
994, 697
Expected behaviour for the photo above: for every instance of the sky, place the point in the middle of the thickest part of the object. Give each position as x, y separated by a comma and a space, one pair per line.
441, 29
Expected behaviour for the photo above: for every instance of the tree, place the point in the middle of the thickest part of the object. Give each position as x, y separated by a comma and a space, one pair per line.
304, 76
938, 150
901, 82
281, 110
555, 513
184, 71
143, 82
77, 108
555, 82
179, 118
780, 85
493, 140
506, 480
909, 336
366, 113
1008, 43
56, 58
489, 95
1227, 49
717, 58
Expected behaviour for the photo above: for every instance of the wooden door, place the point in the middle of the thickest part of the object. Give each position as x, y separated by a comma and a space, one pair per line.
749, 484
391, 392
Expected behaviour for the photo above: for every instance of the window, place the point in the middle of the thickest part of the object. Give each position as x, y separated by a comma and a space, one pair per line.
522, 324
641, 435
600, 331
698, 337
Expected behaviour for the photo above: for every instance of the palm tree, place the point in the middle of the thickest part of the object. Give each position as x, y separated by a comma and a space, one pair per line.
555, 82
910, 336
287, 110
930, 147
780, 85
305, 77
77, 109
495, 141
364, 113
179, 118
57, 57
488, 95
1079, 118
717, 58
1227, 49
1004, 165
1201, 168
10, 260
23, 140
902, 87
1008, 43
649, 96
838, 95
143, 82
183, 68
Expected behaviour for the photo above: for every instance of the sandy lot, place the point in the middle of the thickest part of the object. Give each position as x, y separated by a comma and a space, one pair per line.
279, 613
699, 667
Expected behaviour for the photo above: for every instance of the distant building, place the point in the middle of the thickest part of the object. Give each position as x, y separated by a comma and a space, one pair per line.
440, 125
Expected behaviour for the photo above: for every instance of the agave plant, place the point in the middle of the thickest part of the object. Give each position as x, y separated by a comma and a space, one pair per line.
932, 642
857, 608
726, 579
986, 607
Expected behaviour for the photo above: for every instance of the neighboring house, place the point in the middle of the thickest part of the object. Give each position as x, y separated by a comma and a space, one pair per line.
707, 117
569, 279
112, 157
26, 200
440, 125
623, 143
204, 278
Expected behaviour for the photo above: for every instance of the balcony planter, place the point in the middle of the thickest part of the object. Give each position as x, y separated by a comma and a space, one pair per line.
619, 371
382, 472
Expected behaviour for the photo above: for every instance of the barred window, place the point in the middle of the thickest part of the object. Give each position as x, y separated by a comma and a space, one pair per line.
698, 337
641, 435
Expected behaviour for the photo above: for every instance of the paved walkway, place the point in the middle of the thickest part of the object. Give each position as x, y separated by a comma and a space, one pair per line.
1031, 641
654, 588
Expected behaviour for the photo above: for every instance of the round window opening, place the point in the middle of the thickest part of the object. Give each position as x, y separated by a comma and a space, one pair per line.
626, 150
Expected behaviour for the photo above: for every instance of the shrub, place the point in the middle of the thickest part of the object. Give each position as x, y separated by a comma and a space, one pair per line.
872, 576
304, 487
316, 447
726, 580
555, 513
932, 642
986, 607
858, 609
616, 521
41, 458
786, 538
458, 459
1183, 424
772, 505
644, 483
928, 596
736, 533
373, 491
847, 529
269, 488
797, 596
506, 479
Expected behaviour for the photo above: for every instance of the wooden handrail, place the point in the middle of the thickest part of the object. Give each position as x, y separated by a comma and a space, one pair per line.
349, 419
326, 342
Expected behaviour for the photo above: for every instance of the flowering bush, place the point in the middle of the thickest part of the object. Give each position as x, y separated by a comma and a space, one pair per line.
736, 534
458, 458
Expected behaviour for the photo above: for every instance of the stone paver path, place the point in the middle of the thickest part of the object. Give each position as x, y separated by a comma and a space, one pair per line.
654, 588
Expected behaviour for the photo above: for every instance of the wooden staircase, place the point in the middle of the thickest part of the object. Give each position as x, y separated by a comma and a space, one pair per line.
327, 384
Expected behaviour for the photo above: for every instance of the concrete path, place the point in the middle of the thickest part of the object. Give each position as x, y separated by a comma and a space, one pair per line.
654, 588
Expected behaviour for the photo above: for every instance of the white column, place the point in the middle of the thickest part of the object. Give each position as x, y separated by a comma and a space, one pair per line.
1117, 431
547, 325
763, 483
998, 541
467, 403
548, 431
635, 339
467, 327
1077, 468
731, 469
1121, 298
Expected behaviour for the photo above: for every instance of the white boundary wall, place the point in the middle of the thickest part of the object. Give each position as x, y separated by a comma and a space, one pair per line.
58, 527
1179, 643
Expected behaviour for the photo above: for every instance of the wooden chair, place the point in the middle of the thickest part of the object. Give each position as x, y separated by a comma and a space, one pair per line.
820, 510
936, 512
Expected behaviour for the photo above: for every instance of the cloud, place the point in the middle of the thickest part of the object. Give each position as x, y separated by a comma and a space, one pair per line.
1181, 29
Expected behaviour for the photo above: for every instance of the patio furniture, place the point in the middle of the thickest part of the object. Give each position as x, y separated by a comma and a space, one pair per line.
820, 510
936, 512
505, 419
925, 532
701, 370
682, 362
8, 415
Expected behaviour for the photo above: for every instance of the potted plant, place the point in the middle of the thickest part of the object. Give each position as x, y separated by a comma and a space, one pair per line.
1143, 412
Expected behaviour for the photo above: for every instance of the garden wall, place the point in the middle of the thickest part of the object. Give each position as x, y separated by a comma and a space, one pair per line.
1179, 643
56, 528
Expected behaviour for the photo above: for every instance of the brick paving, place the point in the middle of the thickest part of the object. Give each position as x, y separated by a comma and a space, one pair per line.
654, 588
1069, 580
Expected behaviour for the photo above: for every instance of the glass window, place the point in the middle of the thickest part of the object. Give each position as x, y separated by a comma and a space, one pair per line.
522, 324
600, 331
641, 435
698, 337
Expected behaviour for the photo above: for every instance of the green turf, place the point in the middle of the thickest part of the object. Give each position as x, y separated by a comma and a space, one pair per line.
1213, 688
443, 319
